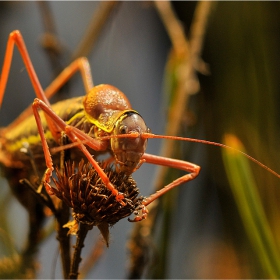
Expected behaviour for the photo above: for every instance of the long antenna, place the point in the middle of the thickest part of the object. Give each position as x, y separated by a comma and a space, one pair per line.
147, 135
150, 135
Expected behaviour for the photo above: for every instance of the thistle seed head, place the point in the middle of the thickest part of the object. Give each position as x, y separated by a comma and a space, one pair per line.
81, 188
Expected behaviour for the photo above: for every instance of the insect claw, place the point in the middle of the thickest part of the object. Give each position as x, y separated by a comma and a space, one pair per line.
144, 215
46, 180
49, 189
48, 174
123, 203
136, 219
119, 198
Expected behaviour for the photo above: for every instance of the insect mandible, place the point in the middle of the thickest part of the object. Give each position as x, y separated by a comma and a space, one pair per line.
101, 121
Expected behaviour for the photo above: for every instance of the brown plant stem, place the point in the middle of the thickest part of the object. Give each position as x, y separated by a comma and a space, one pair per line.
62, 217
98, 21
93, 257
187, 53
185, 58
50, 40
81, 235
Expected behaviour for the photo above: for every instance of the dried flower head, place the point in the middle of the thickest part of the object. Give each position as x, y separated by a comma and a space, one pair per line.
81, 188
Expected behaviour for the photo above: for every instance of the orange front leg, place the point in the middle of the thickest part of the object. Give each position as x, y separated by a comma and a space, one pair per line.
174, 163
192, 168
74, 135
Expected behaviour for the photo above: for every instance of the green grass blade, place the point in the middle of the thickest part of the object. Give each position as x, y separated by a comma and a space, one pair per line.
250, 207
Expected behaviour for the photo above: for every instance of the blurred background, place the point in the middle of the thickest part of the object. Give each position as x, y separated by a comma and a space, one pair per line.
223, 224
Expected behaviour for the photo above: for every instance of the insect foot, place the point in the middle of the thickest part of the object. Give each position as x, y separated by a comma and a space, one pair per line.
81, 188
142, 208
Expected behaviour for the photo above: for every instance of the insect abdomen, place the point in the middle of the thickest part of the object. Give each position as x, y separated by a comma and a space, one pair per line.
26, 135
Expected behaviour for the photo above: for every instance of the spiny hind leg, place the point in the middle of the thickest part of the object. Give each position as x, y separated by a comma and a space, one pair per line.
80, 64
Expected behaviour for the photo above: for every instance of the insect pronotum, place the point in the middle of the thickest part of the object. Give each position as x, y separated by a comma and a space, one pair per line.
101, 121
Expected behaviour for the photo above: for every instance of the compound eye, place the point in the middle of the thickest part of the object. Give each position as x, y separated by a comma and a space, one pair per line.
123, 129
149, 130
